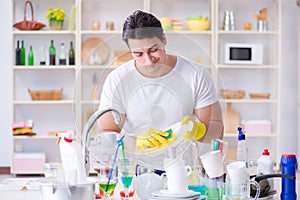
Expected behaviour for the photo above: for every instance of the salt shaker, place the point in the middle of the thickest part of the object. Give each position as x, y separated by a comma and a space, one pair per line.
288, 187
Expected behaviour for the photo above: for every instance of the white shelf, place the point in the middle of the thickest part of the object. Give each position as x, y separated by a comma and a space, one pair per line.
242, 32
43, 67
247, 66
44, 102
42, 32
252, 135
248, 100
35, 137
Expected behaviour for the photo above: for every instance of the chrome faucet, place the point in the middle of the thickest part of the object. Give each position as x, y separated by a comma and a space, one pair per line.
86, 132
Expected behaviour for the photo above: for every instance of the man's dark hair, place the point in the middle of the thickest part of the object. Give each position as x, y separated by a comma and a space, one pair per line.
141, 25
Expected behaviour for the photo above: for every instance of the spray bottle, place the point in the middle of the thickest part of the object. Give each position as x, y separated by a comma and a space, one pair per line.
72, 159
242, 151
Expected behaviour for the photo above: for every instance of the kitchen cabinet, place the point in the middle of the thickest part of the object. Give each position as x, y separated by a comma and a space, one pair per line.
252, 78
82, 82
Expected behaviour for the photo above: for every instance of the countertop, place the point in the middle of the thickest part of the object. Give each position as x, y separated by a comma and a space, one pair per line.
12, 188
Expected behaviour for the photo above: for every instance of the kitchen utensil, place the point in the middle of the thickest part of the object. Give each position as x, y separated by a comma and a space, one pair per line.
94, 46
53, 190
231, 119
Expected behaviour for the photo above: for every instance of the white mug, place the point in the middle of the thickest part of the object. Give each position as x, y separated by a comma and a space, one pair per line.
237, 172
213, 164
177, 175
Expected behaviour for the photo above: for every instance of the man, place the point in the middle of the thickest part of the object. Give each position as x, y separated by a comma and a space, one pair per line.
156, 89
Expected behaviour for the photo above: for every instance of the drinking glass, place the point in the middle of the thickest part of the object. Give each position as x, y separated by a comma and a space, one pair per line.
108, 179
127, 173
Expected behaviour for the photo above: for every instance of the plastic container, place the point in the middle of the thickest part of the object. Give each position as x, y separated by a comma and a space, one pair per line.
288, 186
72, 159
266, 165
242, 151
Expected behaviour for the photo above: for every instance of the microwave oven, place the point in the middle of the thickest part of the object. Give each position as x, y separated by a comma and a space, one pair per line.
248, 54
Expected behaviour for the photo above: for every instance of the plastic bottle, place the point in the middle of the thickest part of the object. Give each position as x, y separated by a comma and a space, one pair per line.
242, 152
42, 56
266, 165
62, 55
288, 186
72, 159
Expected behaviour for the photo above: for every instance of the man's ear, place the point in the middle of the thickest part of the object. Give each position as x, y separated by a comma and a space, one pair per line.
164, 39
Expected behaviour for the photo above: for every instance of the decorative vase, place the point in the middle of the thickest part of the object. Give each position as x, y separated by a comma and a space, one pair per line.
56, 25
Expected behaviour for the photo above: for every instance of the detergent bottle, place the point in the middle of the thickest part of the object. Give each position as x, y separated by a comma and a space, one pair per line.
265, 166
72, 159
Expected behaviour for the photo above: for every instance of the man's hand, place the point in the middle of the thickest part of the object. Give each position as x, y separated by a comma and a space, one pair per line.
198, 130
154, 138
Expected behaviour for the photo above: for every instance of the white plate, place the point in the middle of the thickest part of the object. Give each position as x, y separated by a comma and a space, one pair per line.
179, 131
167, 194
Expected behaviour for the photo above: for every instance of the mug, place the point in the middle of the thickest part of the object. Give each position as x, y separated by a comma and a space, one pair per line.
177, 175
213, 164
240, 190
237, 172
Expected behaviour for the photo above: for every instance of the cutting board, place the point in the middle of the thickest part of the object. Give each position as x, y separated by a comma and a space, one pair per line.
232, 119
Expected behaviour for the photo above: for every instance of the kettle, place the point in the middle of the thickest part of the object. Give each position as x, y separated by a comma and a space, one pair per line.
264, 184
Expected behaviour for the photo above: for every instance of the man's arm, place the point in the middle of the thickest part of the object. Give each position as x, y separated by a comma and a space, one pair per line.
211, 116
107, 123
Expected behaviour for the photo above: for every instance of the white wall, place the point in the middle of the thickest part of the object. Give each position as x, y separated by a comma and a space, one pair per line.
5, 85
289, 81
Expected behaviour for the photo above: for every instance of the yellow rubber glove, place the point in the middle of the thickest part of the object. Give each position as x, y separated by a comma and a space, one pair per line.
198, 130
154, 138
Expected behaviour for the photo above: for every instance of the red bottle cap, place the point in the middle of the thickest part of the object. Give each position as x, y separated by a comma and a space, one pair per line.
288, 156
266, 152
69, 136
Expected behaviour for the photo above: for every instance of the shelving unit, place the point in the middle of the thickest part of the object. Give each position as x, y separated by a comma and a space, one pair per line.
78, 101
252, 78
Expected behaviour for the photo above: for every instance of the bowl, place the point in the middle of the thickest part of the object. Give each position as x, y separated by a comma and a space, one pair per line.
232, 94
259, 95
198, 23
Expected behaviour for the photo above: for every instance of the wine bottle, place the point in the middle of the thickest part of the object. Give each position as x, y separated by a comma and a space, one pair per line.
62, 55
22, 54
52, 53
42, 56
30, 56
18, 54
71, 55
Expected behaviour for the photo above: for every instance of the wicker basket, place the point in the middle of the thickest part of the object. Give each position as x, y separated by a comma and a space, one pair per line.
233, 94
45, 94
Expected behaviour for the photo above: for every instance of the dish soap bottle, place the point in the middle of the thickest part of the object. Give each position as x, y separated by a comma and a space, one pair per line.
266, 165
72, 159
242, 151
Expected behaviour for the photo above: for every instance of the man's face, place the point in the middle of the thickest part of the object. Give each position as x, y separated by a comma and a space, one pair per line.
148, 53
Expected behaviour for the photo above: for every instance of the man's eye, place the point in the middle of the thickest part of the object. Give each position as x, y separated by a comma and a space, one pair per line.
153, 50
138, 54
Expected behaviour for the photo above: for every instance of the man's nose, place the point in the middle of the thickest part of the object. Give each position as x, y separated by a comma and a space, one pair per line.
149, 59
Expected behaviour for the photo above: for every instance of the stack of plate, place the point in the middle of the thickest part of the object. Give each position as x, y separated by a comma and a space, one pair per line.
166, 195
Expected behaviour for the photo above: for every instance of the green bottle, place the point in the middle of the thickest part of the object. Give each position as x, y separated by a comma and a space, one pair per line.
30, 57
52, 53
71, 55
23, 54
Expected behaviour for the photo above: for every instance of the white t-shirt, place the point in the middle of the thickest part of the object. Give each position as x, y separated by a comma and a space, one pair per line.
157, 102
